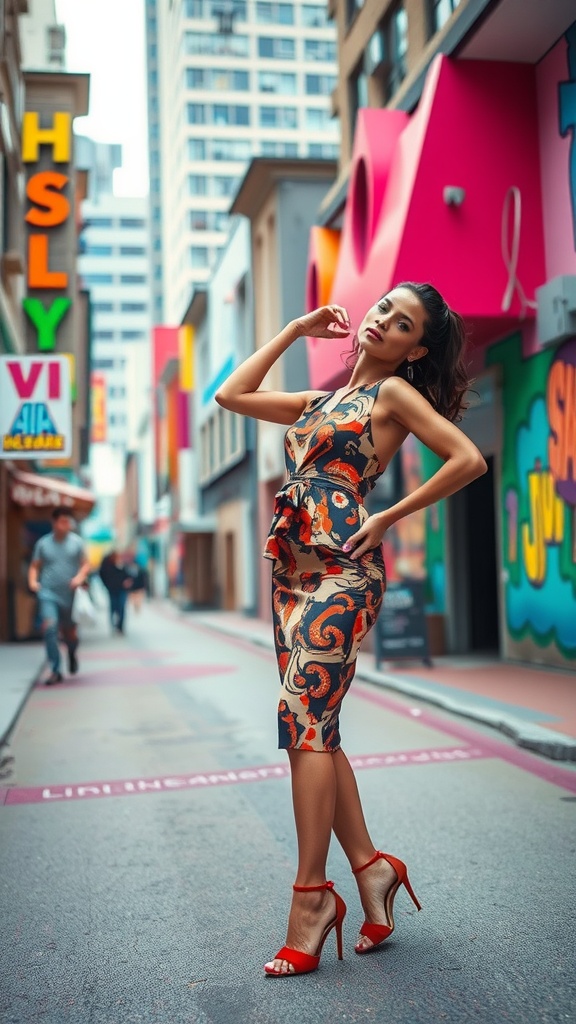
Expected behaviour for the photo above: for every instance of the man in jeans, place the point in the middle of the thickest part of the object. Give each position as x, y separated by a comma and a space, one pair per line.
118, 582
59, 565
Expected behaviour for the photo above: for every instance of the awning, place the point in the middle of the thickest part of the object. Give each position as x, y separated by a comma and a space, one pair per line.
38, 491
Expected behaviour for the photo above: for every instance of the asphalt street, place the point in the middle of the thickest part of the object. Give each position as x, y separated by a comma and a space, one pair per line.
147, 851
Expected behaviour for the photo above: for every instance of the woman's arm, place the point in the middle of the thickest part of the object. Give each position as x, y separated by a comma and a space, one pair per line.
462, 460
240, 392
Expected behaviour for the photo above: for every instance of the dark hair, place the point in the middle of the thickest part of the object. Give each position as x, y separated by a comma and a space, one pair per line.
440, 375
61, 510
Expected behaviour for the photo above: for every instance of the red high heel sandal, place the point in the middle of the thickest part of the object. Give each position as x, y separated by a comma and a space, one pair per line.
377, 933
303, 963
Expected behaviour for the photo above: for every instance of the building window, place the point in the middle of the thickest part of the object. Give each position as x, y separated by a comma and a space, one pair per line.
198, 256
103, 335
100, 222
132, 307
199, 220
274, 13
276, 48
217, 79
213, 43
103, 364
97, 279
132, 279
289, 149
221, 443
320, 49
132, 335
132, 250
196, 149
320, 85
197, 185
207, 9
132, 222
441, 11
314, 15
358, 90
386, 54
226, 114
317, 119
196, 113
278, 117
231, 149
281, 82
193, 8
98, 250
323, 151
103, 307
224, 185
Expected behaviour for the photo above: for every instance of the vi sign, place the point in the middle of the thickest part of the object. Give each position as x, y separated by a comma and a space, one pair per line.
35, 407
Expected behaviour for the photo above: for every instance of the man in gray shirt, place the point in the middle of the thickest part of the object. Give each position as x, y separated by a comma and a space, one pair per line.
59, 565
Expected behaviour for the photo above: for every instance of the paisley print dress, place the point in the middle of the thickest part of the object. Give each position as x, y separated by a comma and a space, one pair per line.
323, 602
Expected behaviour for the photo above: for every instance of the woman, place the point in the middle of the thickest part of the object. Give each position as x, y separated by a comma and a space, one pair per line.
328, 572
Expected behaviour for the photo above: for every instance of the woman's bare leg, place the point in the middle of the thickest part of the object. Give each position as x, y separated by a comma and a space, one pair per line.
314, 798
352, 833
349, 823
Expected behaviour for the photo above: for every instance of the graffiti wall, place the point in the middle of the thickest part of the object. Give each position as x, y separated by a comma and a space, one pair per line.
538, 500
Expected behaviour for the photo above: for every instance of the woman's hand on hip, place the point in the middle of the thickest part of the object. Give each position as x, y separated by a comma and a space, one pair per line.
369, 536
325, 322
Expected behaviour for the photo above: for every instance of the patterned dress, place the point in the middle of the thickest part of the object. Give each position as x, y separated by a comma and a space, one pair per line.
323, 602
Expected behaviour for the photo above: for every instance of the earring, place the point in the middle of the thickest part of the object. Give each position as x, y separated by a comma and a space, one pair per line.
410, 372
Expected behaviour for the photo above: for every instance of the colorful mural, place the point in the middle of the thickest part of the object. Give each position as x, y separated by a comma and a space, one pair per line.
538, 494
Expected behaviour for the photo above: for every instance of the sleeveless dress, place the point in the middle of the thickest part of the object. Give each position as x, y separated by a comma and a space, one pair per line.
323, 602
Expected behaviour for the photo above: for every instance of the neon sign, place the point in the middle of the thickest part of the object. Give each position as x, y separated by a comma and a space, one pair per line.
50, 208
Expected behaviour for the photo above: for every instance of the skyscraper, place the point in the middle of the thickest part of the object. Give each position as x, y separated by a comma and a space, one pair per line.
115, 268
226, 82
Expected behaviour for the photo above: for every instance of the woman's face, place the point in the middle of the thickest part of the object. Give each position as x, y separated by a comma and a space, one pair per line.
393, 328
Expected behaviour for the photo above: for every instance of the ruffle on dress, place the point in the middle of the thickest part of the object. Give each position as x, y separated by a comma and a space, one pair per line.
317, 510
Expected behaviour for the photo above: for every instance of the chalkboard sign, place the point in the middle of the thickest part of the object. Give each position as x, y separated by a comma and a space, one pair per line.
401, 630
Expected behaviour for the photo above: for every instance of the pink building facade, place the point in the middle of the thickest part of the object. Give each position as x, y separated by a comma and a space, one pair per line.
476, 193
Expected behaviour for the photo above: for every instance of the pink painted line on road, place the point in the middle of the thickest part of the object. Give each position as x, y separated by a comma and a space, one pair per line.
546, 770
138, 676
206, 780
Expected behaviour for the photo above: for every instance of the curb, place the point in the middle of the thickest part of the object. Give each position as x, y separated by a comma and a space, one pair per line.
6, 731
554, 745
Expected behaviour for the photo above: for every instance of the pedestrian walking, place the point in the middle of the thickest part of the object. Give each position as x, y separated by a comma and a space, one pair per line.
59, 566
116, 578
139, 587
328, 574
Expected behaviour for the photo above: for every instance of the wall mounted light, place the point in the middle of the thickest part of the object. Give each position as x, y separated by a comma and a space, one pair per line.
454, 195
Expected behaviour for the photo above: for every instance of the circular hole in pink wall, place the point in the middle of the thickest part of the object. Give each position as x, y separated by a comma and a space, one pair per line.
360, 213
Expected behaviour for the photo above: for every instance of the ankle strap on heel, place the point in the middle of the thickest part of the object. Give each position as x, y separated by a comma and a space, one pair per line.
377, 856
313, 888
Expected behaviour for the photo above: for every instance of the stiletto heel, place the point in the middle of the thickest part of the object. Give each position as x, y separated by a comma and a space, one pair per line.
377, 933
303, 963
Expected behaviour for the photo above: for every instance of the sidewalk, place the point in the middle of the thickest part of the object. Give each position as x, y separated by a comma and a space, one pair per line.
535, 706
20, 668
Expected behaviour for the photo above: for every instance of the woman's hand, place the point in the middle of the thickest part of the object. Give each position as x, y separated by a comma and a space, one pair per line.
317, 324
369, 536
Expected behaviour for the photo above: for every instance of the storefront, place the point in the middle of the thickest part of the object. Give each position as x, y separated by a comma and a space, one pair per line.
475, 192
30, 501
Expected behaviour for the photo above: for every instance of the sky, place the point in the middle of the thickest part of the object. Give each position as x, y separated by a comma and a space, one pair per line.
106, 39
